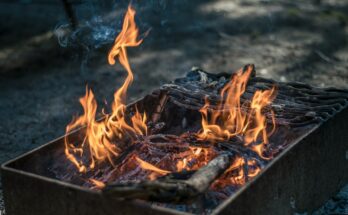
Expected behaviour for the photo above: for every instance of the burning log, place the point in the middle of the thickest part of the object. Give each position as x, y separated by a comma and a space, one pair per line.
313, 105
160, 107
295, 109
192, 169
225, 130
171, 189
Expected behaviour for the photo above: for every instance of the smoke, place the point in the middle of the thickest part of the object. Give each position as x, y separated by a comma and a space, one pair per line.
91, 35
97, 24
99, 21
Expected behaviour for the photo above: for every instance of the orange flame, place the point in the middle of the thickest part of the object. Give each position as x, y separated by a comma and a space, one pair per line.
236, 174
145, 165
100, 134
201, 155
230, 117
97, 184
127, 38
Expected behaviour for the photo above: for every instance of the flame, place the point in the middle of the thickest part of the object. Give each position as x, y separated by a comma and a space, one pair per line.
127, 38
230, 117
181, 165
260, 100
253, 169
101, 135
145, 165
240, 171
201, 155
98, 184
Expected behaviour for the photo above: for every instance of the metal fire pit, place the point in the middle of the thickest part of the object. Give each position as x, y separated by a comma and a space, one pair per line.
300, 179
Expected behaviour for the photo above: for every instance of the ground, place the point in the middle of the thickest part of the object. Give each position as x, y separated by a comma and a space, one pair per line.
43, 72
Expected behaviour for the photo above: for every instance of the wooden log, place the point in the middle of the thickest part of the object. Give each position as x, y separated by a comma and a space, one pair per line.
167, 189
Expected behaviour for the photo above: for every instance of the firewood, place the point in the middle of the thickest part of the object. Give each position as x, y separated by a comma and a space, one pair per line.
174, 190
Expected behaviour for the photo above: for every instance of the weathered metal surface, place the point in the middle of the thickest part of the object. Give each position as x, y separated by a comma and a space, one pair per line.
26, 193
299, 179
302, 178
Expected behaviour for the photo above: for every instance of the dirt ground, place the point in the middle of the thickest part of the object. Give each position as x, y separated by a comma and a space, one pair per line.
43, 71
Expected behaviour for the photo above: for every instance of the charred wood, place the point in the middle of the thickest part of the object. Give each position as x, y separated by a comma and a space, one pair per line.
172, 188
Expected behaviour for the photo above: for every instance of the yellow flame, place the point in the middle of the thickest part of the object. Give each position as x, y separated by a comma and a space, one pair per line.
100, 134
236, 174
98, 184
229, 119
181, 165
127, 38
145, 165
195, 153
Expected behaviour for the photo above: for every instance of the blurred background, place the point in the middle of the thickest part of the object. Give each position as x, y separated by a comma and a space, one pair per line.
50, 50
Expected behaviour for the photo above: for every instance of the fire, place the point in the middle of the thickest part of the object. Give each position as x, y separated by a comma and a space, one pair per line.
195, 158
238, 173
99, 141
145, 165
97, 184
230, 118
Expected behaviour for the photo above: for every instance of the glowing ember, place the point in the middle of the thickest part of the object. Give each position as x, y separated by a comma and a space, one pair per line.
98, 184
236, 174
148, 166
224, 120
100, 136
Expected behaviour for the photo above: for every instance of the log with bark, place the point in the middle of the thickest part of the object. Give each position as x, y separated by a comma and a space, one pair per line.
171, 188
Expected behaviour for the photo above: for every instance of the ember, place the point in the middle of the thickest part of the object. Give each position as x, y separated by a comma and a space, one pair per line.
190, 145
223, 121
173, 159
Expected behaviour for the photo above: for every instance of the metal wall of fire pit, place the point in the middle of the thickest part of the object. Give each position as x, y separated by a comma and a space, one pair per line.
300, 179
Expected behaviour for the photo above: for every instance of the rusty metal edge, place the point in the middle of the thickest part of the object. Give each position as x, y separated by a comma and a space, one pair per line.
5, 168
5, 164
335, 125
268, 166
219, 209
228, 204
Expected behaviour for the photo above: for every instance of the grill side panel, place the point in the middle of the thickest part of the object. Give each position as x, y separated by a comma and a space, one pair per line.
302, 178
28, 195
